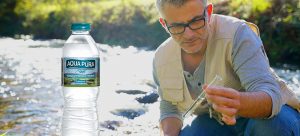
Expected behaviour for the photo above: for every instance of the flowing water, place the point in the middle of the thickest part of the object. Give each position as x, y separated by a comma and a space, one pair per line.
31, 99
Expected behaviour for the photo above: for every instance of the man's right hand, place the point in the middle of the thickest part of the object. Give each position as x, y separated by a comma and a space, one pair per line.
170, 126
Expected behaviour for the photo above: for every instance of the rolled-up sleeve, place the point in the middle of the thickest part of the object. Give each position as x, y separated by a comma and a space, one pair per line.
252, 66
167, 109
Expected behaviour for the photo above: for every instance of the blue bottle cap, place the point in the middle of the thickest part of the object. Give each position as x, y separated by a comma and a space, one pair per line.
81, 26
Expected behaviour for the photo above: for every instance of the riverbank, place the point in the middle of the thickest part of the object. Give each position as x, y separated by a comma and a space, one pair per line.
31, 97
32, 100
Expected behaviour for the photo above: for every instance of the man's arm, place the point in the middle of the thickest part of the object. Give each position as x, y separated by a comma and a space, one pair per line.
170, 126
231, 103
252, 67
170, 118
252, 104
262, 97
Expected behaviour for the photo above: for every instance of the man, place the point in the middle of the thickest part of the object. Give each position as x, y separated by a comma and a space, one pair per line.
201, 46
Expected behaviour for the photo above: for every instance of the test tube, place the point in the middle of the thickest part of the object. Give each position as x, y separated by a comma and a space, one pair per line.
200, 98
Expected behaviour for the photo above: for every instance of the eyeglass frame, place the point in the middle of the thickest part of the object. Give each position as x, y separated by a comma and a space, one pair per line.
188, 24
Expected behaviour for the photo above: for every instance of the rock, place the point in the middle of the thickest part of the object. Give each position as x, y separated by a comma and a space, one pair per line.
129, 113
112, 125
133, 92
150, 97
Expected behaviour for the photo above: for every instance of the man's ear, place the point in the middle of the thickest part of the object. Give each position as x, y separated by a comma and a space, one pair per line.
209, 9
163, 24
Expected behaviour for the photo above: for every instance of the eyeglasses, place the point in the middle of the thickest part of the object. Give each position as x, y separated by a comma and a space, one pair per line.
194, 24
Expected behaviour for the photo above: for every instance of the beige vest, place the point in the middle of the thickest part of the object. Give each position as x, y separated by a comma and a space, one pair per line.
169, 68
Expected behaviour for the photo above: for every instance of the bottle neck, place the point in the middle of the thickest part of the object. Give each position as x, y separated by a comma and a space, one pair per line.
78, 32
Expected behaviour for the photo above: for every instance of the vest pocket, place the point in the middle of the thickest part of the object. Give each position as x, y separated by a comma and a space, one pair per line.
172, 89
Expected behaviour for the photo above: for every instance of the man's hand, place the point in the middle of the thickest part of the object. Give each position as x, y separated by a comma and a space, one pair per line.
224, 100
170, 126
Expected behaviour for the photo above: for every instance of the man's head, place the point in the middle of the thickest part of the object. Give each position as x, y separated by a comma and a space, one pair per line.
160, 3
186, 21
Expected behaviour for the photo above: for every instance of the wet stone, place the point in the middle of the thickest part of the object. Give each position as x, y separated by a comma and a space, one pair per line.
148, 98
132, 92
129, 113
112, 125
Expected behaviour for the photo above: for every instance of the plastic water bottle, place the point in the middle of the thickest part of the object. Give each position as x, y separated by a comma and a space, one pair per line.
80, 81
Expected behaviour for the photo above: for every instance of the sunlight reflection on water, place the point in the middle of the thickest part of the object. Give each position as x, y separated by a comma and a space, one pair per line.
31, 98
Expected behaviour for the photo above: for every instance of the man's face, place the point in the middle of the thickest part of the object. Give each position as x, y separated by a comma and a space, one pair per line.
191, 41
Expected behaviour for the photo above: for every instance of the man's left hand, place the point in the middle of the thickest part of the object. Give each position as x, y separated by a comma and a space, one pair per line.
224, 100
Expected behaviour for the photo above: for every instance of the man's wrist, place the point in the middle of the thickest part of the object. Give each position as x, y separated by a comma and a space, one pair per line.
255, 104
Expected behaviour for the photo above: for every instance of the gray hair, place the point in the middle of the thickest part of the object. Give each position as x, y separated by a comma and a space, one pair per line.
178, 3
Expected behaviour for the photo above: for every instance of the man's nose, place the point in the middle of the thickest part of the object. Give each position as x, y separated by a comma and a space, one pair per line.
188, 32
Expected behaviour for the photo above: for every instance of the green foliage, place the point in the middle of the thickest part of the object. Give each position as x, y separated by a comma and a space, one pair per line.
10, 22
135, 22
279, 23
280, 26
122, 22
4, 134
245, 8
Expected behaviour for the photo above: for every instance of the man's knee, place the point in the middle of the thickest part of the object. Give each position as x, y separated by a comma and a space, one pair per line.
200, 126
286, 123
203, 125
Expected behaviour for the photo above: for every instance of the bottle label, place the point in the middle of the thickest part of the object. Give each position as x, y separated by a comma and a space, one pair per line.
80, 72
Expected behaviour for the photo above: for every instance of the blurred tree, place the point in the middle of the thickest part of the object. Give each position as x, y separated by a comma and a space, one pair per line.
280, 27
115, 22
135, 22
10, 22
279, 23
